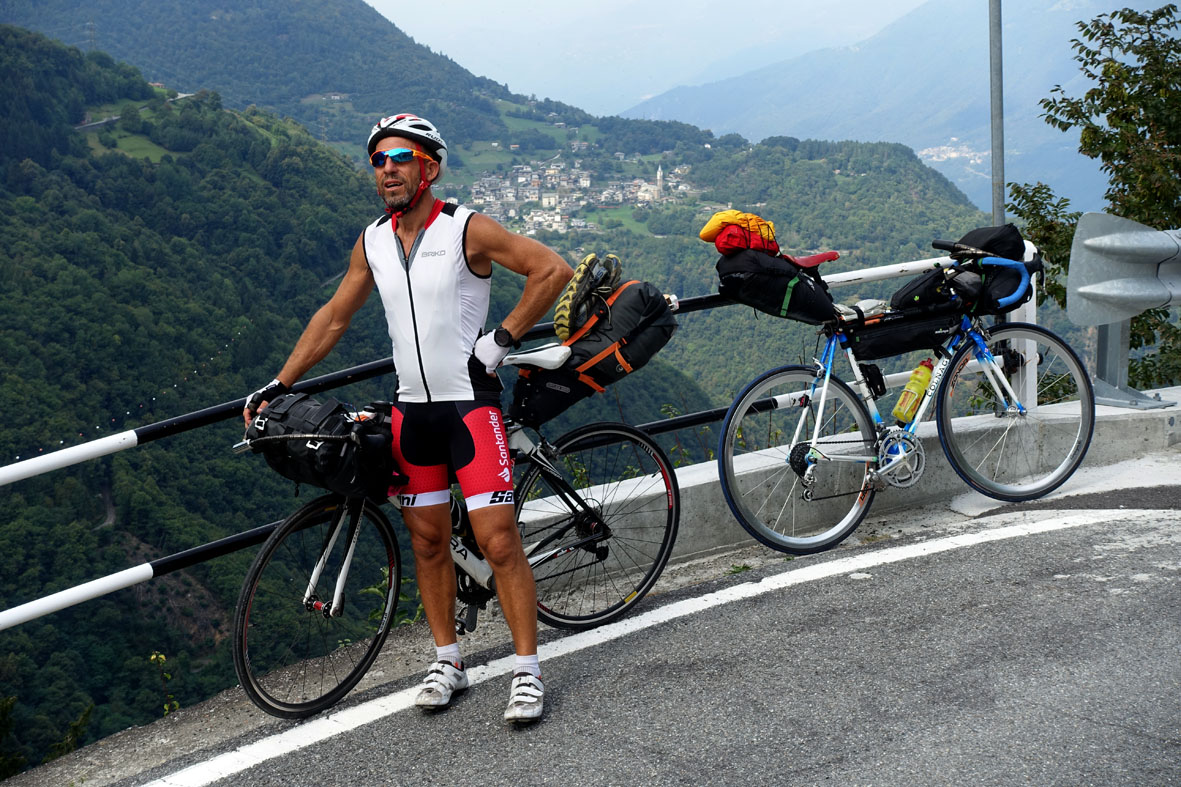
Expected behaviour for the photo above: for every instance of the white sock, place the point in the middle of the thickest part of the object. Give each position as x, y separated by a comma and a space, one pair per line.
449, 653
528, 664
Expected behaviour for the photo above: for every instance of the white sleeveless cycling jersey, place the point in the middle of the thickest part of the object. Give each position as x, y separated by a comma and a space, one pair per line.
435, 307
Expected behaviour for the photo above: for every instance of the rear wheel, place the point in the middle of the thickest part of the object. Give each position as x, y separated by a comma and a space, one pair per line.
1007, 451
297, 650
598, 524
791, 494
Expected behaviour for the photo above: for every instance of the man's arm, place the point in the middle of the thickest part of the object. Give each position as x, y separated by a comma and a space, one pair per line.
328, 324
545, 272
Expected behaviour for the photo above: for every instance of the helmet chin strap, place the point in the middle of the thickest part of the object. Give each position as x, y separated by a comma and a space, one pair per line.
422, 186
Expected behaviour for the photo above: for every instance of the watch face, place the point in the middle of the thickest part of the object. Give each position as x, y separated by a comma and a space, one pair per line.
503, 337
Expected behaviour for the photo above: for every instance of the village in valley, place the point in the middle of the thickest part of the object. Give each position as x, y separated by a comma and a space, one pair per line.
549, 195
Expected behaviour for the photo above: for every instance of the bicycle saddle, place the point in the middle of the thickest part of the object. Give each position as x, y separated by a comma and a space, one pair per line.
547, 356
814, 260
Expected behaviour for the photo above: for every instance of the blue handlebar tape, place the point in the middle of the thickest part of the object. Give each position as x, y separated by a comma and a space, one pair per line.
1019, 266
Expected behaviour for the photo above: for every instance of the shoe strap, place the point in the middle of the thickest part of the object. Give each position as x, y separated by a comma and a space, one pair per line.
526, 689
437, 675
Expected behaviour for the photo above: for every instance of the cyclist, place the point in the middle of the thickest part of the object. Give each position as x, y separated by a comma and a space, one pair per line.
432, 264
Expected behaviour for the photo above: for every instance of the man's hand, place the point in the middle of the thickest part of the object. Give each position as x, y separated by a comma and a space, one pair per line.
491, 348
260, 398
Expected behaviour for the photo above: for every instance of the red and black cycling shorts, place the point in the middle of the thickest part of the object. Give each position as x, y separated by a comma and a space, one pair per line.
436, 441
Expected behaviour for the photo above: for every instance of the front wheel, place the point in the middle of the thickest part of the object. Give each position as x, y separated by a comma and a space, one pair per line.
1016, 422
792, 493
598, 518
298, 646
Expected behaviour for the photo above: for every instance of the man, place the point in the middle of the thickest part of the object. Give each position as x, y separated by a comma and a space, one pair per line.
432, 265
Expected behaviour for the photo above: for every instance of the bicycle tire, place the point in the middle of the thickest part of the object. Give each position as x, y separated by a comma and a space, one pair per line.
1003, 453
592, 577
293, 660
767, 497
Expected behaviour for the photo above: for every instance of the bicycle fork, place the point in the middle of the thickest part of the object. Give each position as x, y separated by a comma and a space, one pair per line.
351, 509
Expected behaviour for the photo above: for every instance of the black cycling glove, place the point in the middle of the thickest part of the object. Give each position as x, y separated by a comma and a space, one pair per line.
265, 394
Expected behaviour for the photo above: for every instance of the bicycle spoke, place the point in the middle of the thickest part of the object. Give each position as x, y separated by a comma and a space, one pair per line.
765, 492
1021, 456
611, 546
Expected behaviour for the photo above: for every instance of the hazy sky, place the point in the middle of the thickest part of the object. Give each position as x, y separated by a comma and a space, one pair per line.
607, 56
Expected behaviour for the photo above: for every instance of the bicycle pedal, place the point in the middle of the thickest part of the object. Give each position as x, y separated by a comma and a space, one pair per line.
466, 621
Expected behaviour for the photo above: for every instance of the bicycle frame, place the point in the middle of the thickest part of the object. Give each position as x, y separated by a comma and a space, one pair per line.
470, 565
969, 330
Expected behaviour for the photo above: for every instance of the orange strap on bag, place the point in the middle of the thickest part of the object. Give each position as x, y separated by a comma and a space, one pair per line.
613, 348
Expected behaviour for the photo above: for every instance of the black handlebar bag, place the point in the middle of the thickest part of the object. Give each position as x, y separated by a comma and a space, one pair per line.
334, 450
983, 294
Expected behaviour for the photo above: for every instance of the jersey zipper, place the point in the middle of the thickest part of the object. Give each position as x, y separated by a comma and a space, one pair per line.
406, 262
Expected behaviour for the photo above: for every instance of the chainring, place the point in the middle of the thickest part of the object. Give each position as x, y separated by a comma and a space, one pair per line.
909, 470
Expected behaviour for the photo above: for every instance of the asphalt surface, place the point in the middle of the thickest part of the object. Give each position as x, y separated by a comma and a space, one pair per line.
1027, 644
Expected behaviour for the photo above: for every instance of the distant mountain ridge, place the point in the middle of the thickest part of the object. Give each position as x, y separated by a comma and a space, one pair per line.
922, 81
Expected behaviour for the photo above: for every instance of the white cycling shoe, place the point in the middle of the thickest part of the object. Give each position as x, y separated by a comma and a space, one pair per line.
526, 698
442, 681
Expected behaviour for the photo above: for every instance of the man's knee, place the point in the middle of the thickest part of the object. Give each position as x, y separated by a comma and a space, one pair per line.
496, 533
430, 532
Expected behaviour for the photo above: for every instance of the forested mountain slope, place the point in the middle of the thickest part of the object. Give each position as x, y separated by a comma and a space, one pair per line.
333, 65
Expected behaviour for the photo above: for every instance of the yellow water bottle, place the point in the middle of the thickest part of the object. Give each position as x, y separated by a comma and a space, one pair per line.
912, 394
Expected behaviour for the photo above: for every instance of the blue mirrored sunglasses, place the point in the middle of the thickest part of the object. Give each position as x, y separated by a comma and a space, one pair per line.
399, 156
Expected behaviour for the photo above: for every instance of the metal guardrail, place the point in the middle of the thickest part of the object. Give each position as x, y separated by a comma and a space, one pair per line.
233, 409
1119, 269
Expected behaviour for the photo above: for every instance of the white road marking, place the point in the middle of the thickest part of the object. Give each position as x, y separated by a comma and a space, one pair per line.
319, 729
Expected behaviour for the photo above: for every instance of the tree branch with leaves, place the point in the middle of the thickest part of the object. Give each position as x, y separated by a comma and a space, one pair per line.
1130, 120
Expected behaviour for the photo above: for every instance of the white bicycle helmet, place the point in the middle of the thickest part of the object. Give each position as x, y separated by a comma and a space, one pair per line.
414, 128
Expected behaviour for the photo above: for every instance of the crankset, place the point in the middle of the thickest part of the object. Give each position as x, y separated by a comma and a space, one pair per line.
901, 459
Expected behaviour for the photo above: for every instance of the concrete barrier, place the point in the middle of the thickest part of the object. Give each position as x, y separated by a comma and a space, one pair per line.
707, 525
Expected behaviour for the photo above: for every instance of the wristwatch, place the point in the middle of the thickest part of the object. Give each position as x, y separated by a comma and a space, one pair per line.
502, 337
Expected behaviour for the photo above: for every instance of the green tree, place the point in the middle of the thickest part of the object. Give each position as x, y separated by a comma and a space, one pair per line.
11, 762
1129, 121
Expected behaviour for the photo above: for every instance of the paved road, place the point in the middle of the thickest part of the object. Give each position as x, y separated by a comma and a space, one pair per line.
1025, 645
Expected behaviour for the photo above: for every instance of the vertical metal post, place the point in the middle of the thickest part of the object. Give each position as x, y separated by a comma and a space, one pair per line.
1025, 381
998, 113
1111, 371
1111, 364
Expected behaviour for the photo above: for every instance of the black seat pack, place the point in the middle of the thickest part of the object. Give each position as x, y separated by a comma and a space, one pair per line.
772, 284
621, 335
